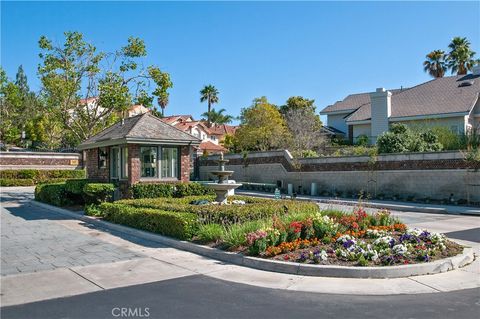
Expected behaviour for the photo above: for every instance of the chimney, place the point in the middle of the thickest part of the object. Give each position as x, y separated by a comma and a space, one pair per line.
476, 70
381, 109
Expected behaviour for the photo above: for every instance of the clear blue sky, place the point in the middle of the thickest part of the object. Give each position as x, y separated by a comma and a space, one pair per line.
320, 50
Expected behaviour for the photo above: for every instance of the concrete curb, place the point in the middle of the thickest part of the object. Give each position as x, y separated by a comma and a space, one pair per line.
438, 266
433, 209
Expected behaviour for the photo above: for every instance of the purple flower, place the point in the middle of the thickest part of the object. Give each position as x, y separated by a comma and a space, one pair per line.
348, 243
425, 234
426, 258
391, 243
303, 257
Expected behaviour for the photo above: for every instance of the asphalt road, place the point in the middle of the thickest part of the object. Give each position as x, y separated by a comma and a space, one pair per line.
203, 297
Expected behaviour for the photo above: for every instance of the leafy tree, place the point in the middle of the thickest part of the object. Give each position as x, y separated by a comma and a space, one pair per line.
210, 94
305, 131
461, 58
435, 63
218, 117
298, 102
74, 72
262, 127
230, 143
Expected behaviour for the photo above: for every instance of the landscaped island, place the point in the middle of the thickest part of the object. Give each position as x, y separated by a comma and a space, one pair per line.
286, 230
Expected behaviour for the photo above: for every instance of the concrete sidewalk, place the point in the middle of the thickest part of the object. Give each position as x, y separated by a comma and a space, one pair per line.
390, 205
155, 262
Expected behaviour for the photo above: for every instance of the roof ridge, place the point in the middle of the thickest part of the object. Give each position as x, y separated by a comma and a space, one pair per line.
134, 125
160, 120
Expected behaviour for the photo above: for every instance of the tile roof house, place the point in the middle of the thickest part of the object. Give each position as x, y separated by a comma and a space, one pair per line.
141, 148
451, 101
211, 136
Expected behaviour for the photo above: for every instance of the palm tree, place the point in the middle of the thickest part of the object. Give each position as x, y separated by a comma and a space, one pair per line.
218, 117
435, 64
460, 58
163, 102
210, 94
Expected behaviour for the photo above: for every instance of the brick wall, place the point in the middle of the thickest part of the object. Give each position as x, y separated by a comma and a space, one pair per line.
40, 160
91, 165
185, 164
134, 166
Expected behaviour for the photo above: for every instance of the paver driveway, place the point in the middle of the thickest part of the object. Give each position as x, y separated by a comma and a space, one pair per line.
37, 242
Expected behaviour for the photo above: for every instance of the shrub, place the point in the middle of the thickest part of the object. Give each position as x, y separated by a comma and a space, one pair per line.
362, 140
75, 186
95, 193
180, 225
192, 189
16, 182
156, 190
54, 194
227, 214
39, 176
152, 190
400, 138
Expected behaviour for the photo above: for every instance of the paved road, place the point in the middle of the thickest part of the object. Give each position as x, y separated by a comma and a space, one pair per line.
204, 297
37, 242
104, 270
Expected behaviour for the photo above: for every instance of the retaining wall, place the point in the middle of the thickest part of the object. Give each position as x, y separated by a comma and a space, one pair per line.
416, 175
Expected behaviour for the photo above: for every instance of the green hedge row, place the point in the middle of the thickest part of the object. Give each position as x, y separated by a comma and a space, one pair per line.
155, 190
180, 225
30, 177
72, 192
256, 208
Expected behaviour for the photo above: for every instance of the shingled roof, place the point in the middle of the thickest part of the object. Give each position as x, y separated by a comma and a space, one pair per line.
142, 128
453, 94
351, 103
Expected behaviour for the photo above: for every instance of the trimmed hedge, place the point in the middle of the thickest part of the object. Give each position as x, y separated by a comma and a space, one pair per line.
180, 225
16, 182
54, 194
71, 192
95, 193
225, 214
156, 190
39, 174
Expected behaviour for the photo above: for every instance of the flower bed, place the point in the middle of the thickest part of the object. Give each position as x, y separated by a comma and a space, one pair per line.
356, 239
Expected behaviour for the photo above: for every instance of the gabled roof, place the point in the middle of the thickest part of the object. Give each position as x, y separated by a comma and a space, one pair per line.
142, 128
222, 129
351, 103
173, 118
436, 97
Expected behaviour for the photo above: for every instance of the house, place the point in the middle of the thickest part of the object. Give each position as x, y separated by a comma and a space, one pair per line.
211, 136
451, 102
141, 148
91, 104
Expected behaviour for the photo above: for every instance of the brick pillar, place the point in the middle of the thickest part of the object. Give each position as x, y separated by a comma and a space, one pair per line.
133, 163
91, 166
185, 163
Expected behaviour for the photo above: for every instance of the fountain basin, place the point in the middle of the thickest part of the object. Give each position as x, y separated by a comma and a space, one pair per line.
221, 190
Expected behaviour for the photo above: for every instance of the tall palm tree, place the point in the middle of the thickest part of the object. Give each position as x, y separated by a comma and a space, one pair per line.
163, 102
210, 94
435, 63
460, 58
218, 117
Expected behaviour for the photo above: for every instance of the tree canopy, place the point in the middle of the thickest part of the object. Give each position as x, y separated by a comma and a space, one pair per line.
262, 127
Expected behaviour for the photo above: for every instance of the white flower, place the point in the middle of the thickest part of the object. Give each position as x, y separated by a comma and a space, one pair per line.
400, 249
345, 238
383, 240
323, 255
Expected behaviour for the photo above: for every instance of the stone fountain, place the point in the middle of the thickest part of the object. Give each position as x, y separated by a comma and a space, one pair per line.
223, 186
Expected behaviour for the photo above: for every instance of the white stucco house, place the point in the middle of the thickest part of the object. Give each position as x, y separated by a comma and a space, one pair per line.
451, 101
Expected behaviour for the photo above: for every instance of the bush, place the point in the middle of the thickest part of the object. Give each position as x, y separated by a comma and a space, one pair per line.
75, 186
227, 214
16, 182
54, 194
180, 225
400, 138
95, 193
152, 190
156, 190
39, 176
192, 189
